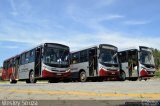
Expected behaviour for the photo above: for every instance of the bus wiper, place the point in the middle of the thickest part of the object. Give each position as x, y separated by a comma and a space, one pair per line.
60, 56
114, 55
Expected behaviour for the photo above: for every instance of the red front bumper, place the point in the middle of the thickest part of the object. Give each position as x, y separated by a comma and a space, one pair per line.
110, 73
144, 73
47, 74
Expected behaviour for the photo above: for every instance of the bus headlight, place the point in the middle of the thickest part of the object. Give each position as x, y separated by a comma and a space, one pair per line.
103, 69
68, 70
143, 68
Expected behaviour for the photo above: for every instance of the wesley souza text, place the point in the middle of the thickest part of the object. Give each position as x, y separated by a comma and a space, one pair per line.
19, 103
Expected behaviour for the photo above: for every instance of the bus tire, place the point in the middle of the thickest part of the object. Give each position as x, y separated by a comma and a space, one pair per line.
140, 78
122, 76
28, 81
53, 81
100, 79
134, 79
67, 80
82, 76
11, 80
31, 77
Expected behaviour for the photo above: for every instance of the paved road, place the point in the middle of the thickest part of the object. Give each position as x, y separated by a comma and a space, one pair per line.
108, 90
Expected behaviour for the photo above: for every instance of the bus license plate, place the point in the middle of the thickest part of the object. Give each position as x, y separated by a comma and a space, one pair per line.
59, 74
113, 73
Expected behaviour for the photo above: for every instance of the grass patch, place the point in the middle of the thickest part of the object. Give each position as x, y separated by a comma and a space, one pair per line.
4, 82
157, 73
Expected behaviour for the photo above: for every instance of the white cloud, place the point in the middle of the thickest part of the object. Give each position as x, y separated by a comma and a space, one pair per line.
117, 39
77, 39
113, 16
123, 41
21, 8
14, 11
136, 22
103, 34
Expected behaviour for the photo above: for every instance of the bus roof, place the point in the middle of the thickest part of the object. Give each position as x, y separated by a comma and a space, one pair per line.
93, 47
32, 49
42, 45
132, 48
12, 57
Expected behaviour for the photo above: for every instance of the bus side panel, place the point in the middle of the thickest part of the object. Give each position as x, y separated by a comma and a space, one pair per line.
25, 69
29, 67
75, 68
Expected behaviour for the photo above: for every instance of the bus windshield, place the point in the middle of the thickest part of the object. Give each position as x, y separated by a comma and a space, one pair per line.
108, 56
55, 56
146, 58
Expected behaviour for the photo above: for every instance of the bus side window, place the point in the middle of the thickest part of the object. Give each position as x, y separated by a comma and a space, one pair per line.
75, 58
27, 57
8, 65
122, 57
83, 56
4, 65
23, 59
32, 55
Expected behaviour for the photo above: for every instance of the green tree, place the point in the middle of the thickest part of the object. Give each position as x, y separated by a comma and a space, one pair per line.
156, 55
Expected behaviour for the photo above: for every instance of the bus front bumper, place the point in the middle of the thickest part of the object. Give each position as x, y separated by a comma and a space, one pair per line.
110, 73
146, 74
48, 74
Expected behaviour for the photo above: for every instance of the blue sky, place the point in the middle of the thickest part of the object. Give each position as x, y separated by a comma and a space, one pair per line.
77, 23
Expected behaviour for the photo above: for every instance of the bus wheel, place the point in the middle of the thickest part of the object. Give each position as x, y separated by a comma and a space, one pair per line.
31, 77
140, 78
134, 79
101, 79
67, 80
82, 76
122, 76
53, 80
11, 79
28, 81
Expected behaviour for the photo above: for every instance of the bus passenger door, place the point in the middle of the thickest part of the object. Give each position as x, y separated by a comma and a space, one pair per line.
38, 54
93, 62
17, 61
123, 60
133, 63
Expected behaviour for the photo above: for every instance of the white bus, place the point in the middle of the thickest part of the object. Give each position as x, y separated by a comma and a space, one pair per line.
99, 61
136, 63
47, 61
